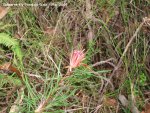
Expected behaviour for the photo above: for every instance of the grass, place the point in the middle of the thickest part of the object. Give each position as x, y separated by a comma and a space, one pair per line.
47, 36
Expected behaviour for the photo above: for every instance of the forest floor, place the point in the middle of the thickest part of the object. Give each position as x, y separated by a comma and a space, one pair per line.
75, 56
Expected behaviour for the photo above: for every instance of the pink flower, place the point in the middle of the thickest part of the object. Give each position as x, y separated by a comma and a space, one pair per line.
76, 57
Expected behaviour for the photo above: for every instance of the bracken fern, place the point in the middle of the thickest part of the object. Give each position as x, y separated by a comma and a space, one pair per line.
13, 44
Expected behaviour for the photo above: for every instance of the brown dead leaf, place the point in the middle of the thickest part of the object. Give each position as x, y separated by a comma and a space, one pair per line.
8, 67
147, 108
143, 112
3, 11
110, 102
50, 31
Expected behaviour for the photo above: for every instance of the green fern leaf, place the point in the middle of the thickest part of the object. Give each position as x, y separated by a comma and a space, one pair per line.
13, 44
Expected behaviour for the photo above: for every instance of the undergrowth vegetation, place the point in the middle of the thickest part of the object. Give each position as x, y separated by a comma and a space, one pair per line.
36, 44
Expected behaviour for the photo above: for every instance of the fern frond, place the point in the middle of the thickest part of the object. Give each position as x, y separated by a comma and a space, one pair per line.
11, 43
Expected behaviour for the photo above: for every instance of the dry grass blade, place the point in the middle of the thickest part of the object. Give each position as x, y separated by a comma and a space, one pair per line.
90, 34
133, 107
42, 105
73, 110
88, 13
